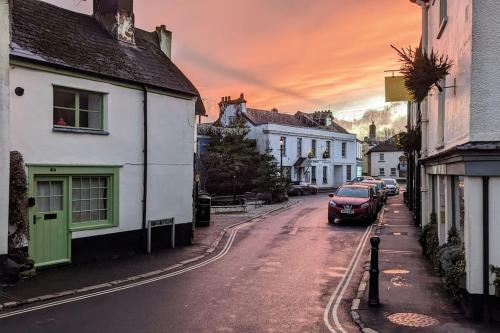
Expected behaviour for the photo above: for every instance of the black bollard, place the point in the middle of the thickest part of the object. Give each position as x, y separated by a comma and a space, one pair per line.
373, 299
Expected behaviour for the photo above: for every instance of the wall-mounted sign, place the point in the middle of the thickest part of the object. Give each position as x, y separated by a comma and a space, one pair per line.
395, 89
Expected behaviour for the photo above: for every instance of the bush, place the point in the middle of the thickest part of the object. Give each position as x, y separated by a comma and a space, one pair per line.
448, 259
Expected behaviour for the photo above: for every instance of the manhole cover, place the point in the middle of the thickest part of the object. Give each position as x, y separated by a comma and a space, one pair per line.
412, 319
396, 271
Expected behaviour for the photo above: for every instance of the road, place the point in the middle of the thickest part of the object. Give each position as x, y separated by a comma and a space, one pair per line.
289, 272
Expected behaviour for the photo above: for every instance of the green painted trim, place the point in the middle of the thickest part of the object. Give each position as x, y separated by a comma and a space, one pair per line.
59, 170
77, 92
32, 212
49, 69
55, 262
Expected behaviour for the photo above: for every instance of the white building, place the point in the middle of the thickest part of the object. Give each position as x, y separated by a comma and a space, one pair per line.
359, 158
106, 125
461, 138
315, 149
385, 160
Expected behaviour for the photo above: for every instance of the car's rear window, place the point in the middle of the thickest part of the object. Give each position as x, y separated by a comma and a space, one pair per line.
389, 181
356, 192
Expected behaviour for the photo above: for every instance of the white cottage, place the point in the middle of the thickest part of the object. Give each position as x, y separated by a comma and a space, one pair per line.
385, 160
311, 147
460, 155
106, 124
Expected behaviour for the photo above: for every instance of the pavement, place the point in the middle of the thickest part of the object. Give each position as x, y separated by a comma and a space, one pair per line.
287, 271
98, 274
412, 296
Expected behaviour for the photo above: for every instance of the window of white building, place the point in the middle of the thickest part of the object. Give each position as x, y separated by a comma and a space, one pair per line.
283, 145
313, 174
299, 147
344, 149
325, 175
393, 171
313, 148
381, 172
348, 172
381, 157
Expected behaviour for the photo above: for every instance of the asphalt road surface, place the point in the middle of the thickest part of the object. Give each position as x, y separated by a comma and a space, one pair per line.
289, 272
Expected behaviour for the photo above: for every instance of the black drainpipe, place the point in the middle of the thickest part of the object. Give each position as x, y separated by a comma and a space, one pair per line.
145, 168
486, 248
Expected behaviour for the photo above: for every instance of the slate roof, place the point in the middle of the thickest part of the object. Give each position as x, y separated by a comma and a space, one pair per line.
300, 119
384, 147
50, 35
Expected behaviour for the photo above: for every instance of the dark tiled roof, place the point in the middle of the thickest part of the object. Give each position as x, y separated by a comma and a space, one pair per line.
383, 147
50, 35
300, 119
259, 117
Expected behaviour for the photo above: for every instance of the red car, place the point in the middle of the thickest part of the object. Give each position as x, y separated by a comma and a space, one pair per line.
352, 202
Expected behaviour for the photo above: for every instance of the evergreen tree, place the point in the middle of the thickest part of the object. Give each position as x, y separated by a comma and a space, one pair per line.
234, 165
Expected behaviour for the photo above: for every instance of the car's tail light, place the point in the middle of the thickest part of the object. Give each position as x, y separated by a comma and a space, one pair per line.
365, 205
332, 203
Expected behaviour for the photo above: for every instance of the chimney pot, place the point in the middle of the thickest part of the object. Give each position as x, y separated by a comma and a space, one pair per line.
165, 40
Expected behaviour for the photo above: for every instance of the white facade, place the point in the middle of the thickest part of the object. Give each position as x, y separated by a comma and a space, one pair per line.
171, 143
385, 164
4, 124
325, 171
461, 131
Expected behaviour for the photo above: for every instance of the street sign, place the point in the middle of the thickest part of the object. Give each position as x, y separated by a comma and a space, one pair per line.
161, 223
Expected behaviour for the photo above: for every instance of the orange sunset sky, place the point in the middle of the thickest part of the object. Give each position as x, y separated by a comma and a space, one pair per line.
290, 54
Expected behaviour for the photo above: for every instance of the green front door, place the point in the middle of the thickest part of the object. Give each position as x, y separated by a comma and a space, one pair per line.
49, 242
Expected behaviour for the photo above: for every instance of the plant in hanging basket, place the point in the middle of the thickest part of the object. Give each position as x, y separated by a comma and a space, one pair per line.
423, 71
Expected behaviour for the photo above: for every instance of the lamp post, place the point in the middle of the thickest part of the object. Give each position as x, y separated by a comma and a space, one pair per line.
281, 157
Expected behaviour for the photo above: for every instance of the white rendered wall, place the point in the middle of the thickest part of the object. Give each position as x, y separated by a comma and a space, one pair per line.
4, 124
171, 143
485, 95
494, 225
473, 233
455, 42
272, 133
391, 160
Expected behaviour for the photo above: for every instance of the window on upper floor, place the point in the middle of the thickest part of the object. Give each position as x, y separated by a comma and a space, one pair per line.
299, 147
328, 149
344, 149
283, 145
381, 172
381, 157
77, 109
313, 148
443, 16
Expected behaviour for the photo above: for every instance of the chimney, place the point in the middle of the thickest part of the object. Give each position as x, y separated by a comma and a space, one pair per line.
274, 110
117, 17
165, 39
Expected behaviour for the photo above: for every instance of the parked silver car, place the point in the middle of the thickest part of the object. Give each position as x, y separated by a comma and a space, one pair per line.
392, 186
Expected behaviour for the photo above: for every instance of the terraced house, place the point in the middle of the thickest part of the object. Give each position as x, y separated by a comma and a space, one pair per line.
310, 147
105, 123
460, 152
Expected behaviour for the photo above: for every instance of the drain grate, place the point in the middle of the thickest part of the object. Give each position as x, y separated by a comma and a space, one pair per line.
412, 319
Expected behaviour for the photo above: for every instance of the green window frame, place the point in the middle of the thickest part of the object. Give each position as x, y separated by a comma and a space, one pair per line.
79, 109
75, 174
